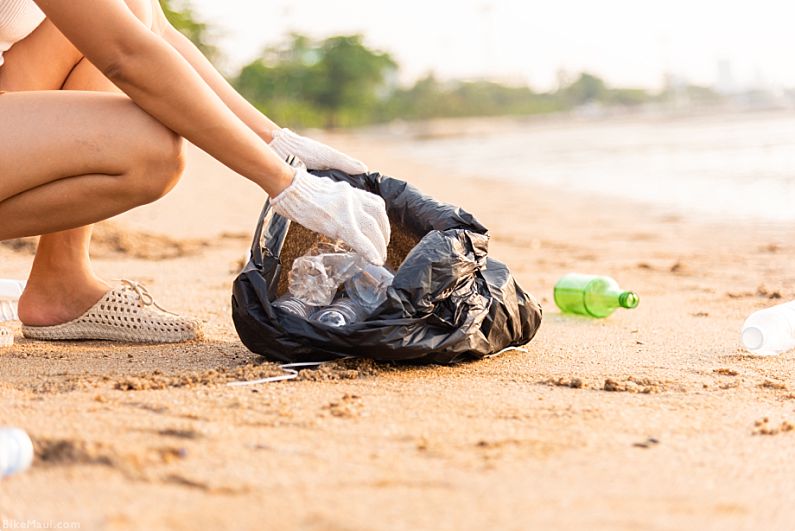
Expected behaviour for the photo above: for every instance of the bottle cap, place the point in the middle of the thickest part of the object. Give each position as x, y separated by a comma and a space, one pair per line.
629, 299
753, 339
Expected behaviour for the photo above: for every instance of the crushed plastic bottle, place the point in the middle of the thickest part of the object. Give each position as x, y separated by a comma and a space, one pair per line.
368, 287
770, 331
16, 451
343, 312
316, 277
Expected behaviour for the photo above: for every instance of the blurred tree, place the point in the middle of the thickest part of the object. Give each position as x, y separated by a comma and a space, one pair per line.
349, 77
335, 82
429, 98
339, 81
425, 98
180, 14
586, 89
627, 97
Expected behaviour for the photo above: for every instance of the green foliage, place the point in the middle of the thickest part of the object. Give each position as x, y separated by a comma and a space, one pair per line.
352, 73
429, 99
587, 89
182, 17
334, 82
340, 82
627, 97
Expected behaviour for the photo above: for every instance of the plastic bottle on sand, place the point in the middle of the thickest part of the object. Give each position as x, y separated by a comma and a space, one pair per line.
10, 291
770, 331
592, 295
16, 451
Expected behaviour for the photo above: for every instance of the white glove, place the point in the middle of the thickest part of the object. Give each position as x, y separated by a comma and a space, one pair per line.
339, 211
315, 155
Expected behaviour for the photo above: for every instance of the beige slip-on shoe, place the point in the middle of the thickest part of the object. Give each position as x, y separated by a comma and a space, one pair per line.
127, 313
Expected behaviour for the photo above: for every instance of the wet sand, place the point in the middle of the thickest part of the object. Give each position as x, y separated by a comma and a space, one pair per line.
651, 419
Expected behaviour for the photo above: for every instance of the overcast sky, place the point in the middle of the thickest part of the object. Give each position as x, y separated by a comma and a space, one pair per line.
629, 42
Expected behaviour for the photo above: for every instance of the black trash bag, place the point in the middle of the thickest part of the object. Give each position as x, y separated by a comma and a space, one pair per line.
449, 301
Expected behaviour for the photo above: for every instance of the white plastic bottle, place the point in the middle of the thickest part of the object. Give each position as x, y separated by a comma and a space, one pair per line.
10, 291
16, 451
770, 331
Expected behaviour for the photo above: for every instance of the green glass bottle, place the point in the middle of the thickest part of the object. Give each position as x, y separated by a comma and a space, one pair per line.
596, 296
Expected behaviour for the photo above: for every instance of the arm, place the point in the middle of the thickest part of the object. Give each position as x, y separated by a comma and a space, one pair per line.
157, 78
284, 142
255, 120
160, 81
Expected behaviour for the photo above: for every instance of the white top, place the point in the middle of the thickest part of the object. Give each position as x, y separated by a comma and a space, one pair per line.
18, 19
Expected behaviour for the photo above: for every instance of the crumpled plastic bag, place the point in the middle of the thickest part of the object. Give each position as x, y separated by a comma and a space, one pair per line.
449, 301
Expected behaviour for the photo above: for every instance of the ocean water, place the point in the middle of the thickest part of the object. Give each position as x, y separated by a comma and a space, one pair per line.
739, 166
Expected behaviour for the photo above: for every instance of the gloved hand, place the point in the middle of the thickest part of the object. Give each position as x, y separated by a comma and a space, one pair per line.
339, 211
315, 155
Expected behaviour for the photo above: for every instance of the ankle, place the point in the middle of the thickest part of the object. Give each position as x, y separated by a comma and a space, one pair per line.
63, 271
50, 300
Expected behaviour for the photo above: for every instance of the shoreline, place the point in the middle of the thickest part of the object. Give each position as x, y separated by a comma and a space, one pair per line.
475, 125
694, 182
393, 161
560, 437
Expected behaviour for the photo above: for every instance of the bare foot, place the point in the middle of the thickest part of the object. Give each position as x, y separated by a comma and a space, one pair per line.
57, 299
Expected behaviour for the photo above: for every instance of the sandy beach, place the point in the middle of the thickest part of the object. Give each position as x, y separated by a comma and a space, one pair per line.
652, 419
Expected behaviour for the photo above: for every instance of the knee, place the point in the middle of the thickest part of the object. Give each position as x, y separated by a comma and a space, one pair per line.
162, 165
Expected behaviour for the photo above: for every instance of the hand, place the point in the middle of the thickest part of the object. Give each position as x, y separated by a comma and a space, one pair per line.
339, 211
315, 155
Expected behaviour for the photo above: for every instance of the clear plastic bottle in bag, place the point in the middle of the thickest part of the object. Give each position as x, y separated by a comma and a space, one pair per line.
294, 305
343, 312
368, 287
770, 331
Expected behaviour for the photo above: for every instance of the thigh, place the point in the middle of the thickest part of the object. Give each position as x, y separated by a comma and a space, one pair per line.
45, 59
41, 61
50, 135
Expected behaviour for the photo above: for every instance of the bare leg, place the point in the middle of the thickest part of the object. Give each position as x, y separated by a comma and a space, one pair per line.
62, 284
93, 170
63, 262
